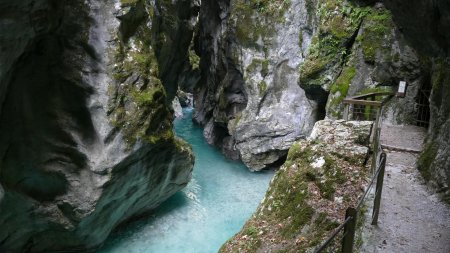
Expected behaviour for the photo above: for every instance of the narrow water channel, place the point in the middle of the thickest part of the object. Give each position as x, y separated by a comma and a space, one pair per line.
222, 195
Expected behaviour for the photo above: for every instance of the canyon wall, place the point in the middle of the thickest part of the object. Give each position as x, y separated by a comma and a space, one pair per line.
270, 69
86, 138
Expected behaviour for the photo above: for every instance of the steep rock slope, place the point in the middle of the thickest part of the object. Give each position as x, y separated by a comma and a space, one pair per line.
86, 136
248, 98
357, 49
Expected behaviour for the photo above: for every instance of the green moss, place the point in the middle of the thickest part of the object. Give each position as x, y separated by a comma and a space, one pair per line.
377, 27
265, 67
262, 86
254, 19
257, 64
128, 2
251, 231
328, 49
148, 96
426, 159
137, 105
343, 82
194, 59
300, 39
288, 219
311, 69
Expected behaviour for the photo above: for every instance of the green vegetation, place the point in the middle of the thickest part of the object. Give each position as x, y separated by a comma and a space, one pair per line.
137, 105
194, 59
299, 209
128, 2
262, 86
377, 26
426, 160
339, 90
328, 49
330, 63
343, 82
254, 19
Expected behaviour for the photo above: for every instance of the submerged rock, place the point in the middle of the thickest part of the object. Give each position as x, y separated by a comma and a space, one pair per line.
176, 106
86, 137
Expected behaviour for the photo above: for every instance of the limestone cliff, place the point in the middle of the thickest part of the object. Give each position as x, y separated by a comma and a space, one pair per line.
248, 98
86, 138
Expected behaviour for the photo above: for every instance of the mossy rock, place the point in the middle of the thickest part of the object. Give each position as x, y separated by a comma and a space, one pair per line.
254, 20
376, 34
292, 217
137, 97
329, 47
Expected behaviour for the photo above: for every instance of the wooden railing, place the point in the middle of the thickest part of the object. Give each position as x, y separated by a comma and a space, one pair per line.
348, 227
363, 107
368, 107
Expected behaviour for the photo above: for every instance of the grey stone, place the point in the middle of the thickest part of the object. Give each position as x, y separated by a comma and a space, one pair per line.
176, 106
69, 173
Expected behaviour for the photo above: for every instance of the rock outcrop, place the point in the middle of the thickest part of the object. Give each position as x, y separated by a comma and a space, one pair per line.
86, 137
308, 196
248, 97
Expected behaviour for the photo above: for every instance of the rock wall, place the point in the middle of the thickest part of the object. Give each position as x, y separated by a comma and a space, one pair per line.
272, 69
425, 24
248, 98
86, 138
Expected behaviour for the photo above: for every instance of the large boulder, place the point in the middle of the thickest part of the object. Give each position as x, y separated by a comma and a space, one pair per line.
308, 196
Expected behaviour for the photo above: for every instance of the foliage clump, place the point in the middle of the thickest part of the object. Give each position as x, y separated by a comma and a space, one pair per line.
137, 96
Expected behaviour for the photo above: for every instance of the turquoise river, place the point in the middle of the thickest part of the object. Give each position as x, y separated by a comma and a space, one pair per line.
214, 206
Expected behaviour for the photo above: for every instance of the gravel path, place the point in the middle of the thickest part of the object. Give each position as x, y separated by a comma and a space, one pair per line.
412, 219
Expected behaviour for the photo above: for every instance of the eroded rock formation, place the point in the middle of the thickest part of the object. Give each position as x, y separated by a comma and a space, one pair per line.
248, 98
86, 136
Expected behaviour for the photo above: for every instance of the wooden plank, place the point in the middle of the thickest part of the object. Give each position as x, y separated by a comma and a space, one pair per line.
384, 93
362, 102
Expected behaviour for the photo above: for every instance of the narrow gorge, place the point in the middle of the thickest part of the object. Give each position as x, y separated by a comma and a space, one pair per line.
159, 126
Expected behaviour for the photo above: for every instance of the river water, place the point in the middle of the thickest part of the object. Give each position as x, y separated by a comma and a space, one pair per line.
214, 206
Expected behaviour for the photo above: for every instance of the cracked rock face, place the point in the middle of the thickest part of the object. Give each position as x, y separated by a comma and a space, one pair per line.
86, 138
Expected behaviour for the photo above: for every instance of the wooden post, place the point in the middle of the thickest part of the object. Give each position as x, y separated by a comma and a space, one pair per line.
349, 230
379, 189
346, 109
376, 135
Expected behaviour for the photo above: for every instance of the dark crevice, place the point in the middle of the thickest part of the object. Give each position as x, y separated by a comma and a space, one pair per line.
278, 163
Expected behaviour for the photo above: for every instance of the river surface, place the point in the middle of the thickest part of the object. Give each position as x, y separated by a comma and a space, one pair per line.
214, 206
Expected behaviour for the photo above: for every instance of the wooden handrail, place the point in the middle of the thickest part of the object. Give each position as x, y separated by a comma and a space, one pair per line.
362, 102
381, 93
